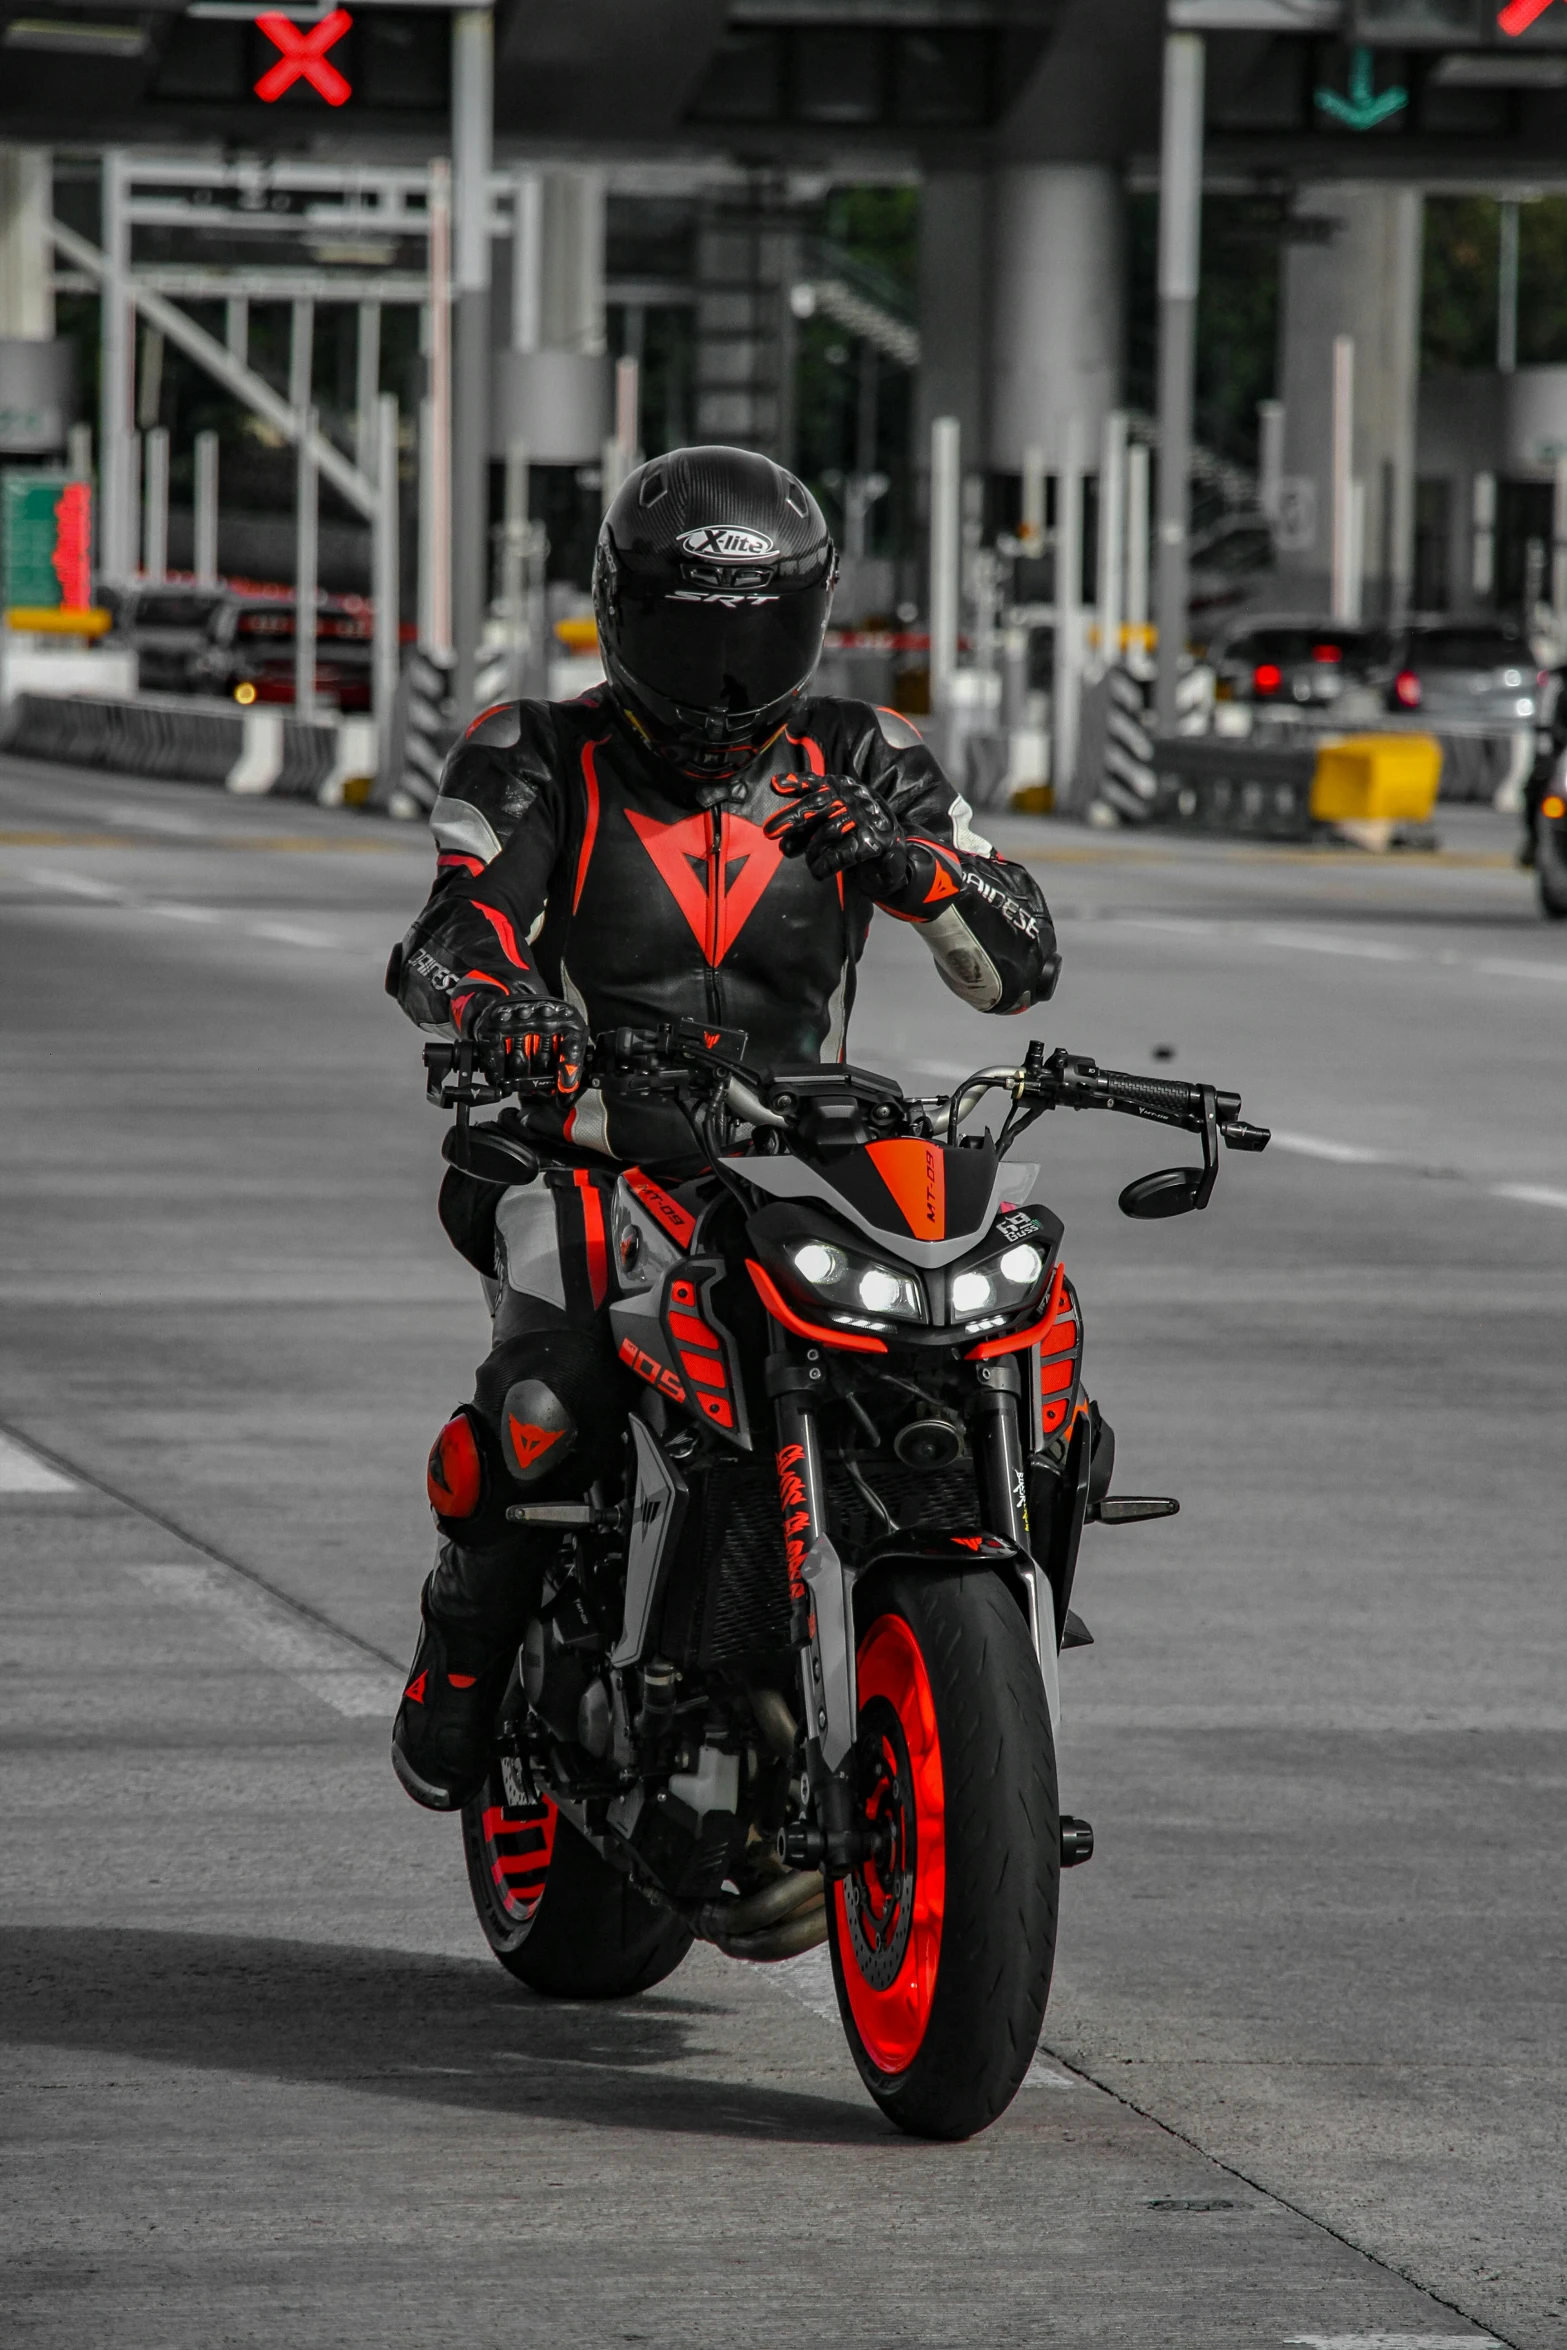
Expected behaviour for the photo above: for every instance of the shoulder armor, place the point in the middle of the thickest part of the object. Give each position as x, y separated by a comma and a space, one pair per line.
499, 728
897, 732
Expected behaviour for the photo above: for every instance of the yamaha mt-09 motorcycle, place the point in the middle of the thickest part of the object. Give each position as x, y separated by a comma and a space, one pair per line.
791, 1673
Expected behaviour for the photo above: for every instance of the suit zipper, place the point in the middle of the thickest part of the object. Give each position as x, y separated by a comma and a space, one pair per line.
715, 880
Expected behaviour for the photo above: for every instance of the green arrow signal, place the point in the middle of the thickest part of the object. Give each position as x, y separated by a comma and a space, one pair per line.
1362, 110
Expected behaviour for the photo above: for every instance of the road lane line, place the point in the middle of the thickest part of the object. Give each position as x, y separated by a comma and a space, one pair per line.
1394, 2342
328, 1669
289, 934
22, 1471
1343, 1154
808, 1980
1533, 1195
76, 885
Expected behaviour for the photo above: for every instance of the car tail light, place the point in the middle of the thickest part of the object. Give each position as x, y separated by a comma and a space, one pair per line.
1327, 652
1267, 677
1407, 689
1542, 677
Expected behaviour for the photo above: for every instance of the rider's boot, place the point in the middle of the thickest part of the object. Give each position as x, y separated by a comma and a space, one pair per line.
474, 1609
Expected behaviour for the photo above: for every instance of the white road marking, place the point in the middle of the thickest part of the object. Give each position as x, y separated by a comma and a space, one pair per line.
1291, 939
1322, 942
328, 1668
1317, 1146
22, 1471
1533, 1195
81, 885
76, 885
289, 934
1495, 968
808, 1979
1394, 2341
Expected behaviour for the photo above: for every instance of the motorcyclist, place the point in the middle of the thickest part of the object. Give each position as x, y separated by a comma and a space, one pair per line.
697, 836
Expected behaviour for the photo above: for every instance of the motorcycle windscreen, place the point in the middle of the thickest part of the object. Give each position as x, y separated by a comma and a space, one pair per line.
728, 656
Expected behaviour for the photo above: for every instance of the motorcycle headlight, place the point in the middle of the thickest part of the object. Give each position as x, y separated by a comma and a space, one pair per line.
880, 1290
997, 1286
972, 1292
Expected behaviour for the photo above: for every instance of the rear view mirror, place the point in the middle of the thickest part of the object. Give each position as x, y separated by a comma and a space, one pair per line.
1172, 1191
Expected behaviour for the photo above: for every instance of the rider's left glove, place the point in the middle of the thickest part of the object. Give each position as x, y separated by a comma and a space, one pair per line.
533, 1031
839, 825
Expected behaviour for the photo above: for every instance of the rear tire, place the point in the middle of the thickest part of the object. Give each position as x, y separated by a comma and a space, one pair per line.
943, 1969
1550, 871
557, 1916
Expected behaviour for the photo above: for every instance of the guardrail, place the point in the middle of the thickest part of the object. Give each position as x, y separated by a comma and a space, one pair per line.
1371, 788
181, 739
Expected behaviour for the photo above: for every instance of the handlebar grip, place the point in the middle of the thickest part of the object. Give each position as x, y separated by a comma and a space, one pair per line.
1167, 1097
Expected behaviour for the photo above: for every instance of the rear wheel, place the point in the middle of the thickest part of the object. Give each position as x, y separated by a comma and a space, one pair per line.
942, 1954
556, 1916
1550, 870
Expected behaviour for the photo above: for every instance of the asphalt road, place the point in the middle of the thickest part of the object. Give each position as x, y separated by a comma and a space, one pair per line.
1302, 2077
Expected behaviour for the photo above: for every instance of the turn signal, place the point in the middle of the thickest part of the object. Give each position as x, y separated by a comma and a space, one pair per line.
1554, 807
245, 693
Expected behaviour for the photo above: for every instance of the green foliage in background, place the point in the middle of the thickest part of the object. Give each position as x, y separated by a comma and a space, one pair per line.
1459, 285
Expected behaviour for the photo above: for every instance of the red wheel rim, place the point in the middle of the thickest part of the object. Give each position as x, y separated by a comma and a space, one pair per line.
896, 1918
518, 1841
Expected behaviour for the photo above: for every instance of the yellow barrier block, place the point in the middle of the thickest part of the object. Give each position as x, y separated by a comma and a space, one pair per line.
59, 619
1376, 779
578, 636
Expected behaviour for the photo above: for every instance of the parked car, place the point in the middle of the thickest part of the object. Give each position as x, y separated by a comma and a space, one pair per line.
254, 650
1304, 667
1479, 674
170, 630
1231, 563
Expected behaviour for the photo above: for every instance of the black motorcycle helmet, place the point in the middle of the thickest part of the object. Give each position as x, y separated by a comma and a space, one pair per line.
711, 588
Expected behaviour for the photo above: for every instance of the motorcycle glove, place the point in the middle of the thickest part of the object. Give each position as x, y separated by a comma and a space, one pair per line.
539, 1033
839, 825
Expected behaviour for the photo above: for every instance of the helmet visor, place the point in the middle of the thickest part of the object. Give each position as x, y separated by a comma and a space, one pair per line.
726, 659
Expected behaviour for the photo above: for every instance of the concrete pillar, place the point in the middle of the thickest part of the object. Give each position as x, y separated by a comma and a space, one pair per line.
37, 373
1056, 306
26, 256
953, 307
552, 388
473, 124
1364, 283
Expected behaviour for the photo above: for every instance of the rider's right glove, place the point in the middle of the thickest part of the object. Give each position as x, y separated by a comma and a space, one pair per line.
534, 1031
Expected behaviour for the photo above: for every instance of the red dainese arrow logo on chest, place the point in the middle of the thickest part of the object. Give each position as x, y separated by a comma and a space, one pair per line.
717, 888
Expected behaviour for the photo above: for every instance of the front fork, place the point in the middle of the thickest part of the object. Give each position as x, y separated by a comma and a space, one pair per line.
821, 1588
821, 1600
1003, 1485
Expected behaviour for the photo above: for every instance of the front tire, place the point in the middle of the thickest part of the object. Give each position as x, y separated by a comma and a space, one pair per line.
557, 1916
942, 1963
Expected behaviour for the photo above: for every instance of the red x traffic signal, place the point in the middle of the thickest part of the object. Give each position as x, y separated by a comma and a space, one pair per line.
304, 57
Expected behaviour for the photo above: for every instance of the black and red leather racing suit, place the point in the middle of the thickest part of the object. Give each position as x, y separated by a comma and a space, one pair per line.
573, 864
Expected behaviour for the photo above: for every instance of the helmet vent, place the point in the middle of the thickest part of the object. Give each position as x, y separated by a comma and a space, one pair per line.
793, 497
654, 486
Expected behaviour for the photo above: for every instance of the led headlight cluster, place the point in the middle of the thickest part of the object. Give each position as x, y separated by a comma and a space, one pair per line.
856, 1285
1000, 1281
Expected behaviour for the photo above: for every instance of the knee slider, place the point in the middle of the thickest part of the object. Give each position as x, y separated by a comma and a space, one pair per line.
468, 1483
454, 1476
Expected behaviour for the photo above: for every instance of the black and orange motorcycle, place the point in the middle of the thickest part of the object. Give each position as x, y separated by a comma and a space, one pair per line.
793, 1673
